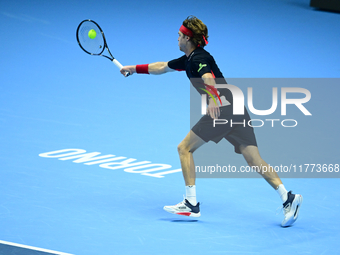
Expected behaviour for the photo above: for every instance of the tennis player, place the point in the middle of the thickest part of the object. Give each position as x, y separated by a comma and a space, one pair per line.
199, 64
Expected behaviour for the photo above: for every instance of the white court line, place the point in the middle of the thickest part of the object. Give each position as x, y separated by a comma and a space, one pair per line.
33, 248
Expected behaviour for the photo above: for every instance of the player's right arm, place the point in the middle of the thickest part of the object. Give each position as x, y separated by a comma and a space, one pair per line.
157, 67
153, 68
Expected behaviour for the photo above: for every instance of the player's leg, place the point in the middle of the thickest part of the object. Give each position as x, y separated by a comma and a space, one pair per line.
252, 156
291, 202
189, 206
185, 150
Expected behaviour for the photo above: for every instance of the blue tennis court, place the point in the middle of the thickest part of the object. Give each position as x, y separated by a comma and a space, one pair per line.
89, 158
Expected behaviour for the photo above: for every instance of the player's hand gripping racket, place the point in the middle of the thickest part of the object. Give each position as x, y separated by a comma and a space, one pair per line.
92, 40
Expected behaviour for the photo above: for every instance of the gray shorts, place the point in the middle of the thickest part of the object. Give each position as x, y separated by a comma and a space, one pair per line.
236, 134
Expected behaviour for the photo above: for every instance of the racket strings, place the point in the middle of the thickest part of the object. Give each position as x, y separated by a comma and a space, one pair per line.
94, 46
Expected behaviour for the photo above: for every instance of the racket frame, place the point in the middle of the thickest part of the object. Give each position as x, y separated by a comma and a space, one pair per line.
105, 46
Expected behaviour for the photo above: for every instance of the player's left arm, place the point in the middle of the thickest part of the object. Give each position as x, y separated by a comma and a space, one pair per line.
213, 108
208, 79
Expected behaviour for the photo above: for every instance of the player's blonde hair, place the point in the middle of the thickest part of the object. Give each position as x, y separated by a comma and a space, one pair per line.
199, 30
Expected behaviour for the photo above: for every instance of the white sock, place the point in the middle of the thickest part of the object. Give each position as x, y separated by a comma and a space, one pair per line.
281, 190
191, 194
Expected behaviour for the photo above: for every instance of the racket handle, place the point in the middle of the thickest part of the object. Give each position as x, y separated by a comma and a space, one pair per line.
119, 65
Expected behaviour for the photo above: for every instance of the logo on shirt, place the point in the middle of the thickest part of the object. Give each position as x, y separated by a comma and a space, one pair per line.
201, 66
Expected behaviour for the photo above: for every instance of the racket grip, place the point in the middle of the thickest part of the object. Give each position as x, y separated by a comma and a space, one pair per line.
119, 65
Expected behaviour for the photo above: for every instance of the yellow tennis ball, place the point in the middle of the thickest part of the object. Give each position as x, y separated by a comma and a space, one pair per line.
92, 34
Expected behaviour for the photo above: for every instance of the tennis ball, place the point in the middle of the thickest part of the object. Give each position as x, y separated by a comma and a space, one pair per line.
92, 34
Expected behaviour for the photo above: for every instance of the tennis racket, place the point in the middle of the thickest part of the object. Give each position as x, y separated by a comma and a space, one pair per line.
92, 40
